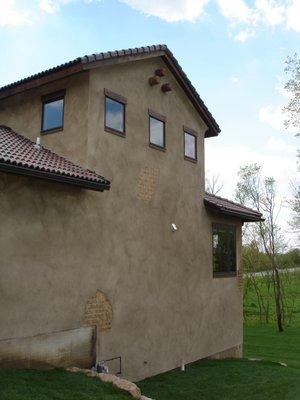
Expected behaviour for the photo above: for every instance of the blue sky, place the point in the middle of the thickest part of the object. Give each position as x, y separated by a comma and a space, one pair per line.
232, 50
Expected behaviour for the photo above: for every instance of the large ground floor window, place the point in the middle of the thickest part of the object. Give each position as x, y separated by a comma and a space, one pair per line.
224, 249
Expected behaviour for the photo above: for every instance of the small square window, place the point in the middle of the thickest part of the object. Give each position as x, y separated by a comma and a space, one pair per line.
53, 112
114, 115
190, 146
157, 132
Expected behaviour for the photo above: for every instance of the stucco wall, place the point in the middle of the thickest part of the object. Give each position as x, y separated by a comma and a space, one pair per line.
23, 114
60, 245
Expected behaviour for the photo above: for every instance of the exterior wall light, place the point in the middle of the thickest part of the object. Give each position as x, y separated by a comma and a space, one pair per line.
174, 227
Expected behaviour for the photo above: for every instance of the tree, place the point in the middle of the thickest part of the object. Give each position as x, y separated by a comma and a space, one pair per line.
292, 112
213, 185
292, 109
295, 206
260, 194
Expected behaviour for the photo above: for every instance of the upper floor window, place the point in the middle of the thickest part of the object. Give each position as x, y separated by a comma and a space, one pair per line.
157, 130
114, 113
224, 249
190, 145
53, 111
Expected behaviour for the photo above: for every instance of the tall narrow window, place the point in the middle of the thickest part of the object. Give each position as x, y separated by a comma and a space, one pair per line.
190, 146
114, 113
224, 250
53, 112
157, 136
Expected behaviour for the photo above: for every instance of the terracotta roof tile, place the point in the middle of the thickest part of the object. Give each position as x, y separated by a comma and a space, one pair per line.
87, 59
228, 207
18, 153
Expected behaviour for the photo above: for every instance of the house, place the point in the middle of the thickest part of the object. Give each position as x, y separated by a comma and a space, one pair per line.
132, 265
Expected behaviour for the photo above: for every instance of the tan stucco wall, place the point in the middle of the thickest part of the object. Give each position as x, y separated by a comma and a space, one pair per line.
60, 245
23, 114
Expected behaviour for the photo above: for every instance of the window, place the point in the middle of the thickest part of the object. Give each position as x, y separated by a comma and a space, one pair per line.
53, 112
114, 113
157, 137
224, 250
190, 146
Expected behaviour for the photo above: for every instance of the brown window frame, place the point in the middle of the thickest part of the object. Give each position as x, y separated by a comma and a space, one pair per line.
191, 132
121, 100
231, 227
49, 98
163, 119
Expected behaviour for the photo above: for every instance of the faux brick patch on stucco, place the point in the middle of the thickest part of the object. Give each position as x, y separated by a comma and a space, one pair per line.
147, 182
98, 311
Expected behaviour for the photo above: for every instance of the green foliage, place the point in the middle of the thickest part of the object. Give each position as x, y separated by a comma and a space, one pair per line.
255, 260
289, 259
293, 88
295, 207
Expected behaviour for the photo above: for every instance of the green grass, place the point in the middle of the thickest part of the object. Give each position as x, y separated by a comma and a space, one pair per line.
226, 380
54, 385
239, 379
264, 341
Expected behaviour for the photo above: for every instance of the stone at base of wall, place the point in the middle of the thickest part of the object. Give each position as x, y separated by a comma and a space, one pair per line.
233, 352
122, 384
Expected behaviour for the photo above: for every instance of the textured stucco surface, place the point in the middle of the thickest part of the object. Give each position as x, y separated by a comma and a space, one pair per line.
60, 244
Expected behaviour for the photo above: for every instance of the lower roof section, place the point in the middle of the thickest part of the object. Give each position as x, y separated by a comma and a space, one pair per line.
227, 207
20, 155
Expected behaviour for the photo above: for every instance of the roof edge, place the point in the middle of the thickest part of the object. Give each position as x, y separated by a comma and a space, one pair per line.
246, 215
82, 63
54, 177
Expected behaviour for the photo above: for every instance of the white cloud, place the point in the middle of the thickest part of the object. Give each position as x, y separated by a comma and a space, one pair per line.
170, 10
235, 79
273, 116
12, 15
244, 20
243, 35
271, 11
237, 11
52, 6
278, 145
49, 6
293, 16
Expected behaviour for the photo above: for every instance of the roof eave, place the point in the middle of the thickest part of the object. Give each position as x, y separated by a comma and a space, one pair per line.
172, 64
53, 177
245, 217
41, 79
93, 61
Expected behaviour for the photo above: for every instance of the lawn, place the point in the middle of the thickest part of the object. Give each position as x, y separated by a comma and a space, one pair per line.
226, 380
264, 341
54, 385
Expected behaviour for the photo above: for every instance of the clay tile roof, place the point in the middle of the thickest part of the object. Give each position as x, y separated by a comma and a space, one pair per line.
22, 156
227, 207
81, 63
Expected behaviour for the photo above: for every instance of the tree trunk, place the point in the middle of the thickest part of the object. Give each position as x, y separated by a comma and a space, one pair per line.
278, 300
